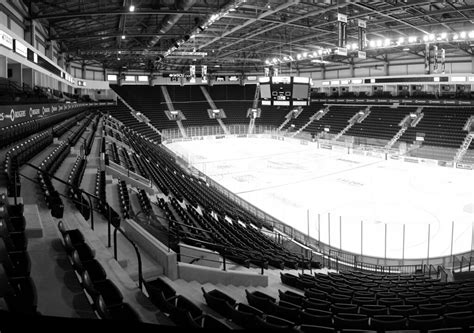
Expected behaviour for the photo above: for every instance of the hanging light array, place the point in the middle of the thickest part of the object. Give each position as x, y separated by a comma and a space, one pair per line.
378, 44
230, 7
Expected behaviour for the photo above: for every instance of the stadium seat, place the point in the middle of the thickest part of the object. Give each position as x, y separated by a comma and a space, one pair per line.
244, 315
217, 300
120, 311
425, 322
382, 323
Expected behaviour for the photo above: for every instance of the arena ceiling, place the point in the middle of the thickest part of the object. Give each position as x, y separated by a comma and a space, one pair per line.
241, 35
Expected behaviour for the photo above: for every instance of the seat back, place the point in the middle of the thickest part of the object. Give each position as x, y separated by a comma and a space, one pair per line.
463, 319
371, 310
351, 320
101, 308
388, 322
425, 322
244, 315
89, 285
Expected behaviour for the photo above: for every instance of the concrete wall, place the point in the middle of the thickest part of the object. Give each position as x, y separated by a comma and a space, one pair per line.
201, 274
154, 248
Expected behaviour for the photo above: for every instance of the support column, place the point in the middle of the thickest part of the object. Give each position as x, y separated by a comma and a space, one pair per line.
61, 60
68, 67
385, 69
16, 73
351, 69
83, 71
3, 66
323, 72
30, 32
28, 76
49, 49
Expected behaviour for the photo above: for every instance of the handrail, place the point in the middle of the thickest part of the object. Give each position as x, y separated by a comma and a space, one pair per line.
89, 195
137, 251
442, 273
140, 273
299, 236
224, 248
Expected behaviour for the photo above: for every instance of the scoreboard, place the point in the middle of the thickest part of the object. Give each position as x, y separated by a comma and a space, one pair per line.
285, 90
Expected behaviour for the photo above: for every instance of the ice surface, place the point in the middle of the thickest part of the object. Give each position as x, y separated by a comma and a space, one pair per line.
358, 193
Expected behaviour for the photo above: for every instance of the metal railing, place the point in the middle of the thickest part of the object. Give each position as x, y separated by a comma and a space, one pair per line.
203, 131
352, 259
92, 209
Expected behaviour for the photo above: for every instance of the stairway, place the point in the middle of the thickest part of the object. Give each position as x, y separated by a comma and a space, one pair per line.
167, 97
464, 146
289, 116
256, 97
214, 107
357, 118
170, 106
254, 106
251, 125
396, 137
318, 115
181, 128
138, 115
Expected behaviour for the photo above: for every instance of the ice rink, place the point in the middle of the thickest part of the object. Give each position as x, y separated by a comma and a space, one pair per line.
345, 200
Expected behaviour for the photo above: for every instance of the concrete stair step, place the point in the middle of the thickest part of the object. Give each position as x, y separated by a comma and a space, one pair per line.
148, 274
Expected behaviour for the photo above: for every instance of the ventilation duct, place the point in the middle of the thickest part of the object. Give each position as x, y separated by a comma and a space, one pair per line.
170, 20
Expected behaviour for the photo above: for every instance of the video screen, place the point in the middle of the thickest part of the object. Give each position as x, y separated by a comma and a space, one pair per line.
300, 91
265, 91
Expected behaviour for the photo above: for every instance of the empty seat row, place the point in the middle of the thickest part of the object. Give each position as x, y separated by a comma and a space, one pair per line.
103, 295
18, 155
124, 198
48, 167
180, 309
145, 202
75, 177
16, 286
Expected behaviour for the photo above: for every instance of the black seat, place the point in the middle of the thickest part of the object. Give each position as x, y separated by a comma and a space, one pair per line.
432, 308
459, 306
316, 317
462, 319
93, 267
382, 323
120, 311
316, 329
288, 279
391, 301
424, 322
209, 322
403, 310
272, 323
351, 320
291, 297
244, 315
75, 235
15, 264
288, 311
84, 251
260, 301
344, 308
181, 308
371, 310
107, 289
21, 296
161, 294
316, 294
216, 300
